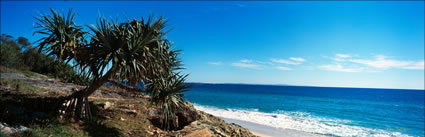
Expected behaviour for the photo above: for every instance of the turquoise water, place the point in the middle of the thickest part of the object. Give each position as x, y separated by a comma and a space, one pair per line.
318, 110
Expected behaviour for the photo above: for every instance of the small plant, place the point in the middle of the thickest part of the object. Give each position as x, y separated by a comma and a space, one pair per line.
18, 87
167, 94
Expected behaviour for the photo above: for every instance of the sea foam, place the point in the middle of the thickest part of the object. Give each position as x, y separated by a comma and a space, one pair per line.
300, 121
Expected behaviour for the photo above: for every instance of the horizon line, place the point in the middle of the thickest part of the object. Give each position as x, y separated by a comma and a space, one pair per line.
307, 86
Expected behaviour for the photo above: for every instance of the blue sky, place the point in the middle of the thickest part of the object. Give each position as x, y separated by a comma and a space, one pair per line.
324, 43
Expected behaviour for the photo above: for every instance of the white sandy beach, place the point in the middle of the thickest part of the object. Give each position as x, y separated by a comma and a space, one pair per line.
267, 131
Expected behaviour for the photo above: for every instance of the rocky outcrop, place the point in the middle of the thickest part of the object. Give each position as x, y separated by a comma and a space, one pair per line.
200, 133
217, 127
204, 125
6, 129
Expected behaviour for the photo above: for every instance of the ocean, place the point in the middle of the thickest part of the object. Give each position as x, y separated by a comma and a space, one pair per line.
322, 111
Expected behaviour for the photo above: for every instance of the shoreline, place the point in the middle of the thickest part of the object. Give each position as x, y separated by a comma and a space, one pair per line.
267, 131
259, 134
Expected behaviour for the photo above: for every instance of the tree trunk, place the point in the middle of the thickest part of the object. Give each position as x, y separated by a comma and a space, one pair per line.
77, 105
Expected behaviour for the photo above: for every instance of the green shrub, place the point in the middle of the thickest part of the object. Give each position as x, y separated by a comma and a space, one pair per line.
25, 58
10, 53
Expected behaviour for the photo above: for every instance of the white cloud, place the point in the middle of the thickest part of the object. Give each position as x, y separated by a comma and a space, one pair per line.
339, 67
247, 64
417, 65
339, 59
382, 62
297, 59
246, 61
264, 62
283, 68
379, 62
342, 55
215, 63
291, 61
283, 61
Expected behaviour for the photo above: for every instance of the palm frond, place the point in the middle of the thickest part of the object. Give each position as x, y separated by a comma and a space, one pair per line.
61, 35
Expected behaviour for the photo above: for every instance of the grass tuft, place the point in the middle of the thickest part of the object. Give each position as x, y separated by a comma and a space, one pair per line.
27, 73
55, 128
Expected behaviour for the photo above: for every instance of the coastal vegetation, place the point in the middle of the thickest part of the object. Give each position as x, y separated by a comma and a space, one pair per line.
135, 51
28, 111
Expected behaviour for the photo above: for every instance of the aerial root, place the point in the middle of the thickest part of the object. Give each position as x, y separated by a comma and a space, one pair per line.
75, 107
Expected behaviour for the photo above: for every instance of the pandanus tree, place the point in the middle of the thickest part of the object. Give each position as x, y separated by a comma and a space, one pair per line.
135, 51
